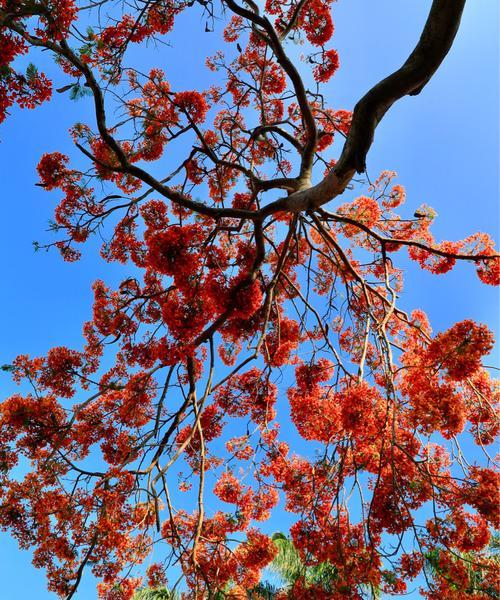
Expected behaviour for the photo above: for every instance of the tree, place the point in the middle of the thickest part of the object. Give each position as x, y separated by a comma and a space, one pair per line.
295, 573
243, 288
159, 593
469, 572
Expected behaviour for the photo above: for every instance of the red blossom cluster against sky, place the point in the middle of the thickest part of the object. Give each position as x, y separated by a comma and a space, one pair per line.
253, 282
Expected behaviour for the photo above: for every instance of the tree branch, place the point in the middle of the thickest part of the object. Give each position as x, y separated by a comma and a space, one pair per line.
434, 44
436, 40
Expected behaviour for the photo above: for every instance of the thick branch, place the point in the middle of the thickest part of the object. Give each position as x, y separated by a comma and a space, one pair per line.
434, 44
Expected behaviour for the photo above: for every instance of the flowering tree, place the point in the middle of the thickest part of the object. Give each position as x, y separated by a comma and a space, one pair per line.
251, 280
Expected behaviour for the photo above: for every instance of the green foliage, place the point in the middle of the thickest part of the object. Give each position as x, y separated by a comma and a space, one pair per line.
160, 593
79, 91
325, 574
263, 590
287, 563
476, 573
290, 567
31, 72
5, 71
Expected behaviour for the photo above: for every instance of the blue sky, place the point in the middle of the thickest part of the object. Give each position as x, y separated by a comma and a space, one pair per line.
444, 144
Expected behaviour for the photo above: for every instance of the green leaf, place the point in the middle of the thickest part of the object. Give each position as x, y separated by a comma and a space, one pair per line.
79, 91
287, 563
5, 71
31, 72
160, 593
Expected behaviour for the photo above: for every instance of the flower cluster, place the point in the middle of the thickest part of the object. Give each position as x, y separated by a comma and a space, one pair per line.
238, 307
327, 67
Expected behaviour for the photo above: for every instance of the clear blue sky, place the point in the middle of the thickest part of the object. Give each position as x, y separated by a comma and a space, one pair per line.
444, 144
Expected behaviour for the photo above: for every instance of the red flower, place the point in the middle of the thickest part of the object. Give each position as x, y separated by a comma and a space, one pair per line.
193, 104
329, 64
